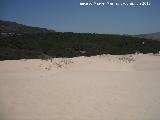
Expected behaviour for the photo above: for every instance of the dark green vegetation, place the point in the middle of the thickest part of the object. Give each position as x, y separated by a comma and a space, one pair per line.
56, 44
19, 41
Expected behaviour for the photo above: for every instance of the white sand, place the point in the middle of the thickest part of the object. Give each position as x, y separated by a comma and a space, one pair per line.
85, 88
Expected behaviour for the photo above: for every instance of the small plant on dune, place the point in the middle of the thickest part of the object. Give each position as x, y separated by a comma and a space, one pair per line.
66, 61
48, 68
126, 59
62, 63
58, 65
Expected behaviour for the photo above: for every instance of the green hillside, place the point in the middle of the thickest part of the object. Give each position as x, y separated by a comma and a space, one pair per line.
57, 44
19, 41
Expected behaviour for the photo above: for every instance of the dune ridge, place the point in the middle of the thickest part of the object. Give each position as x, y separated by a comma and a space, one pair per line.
113, 87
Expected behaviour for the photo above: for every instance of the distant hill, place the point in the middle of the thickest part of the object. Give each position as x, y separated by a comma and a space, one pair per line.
154, 36
13, 27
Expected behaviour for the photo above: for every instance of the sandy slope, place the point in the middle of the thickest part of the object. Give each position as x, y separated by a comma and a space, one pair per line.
96, 88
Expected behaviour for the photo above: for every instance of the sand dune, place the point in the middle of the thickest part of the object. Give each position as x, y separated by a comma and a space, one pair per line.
106, 87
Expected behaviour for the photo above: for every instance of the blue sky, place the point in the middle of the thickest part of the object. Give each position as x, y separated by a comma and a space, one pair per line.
69, 16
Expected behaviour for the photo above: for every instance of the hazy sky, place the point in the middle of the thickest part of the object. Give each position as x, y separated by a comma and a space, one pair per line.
68, 15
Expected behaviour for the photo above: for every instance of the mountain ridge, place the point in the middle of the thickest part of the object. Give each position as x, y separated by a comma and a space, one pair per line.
14, 27
154, 36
